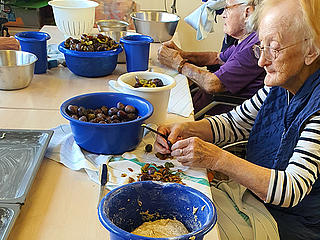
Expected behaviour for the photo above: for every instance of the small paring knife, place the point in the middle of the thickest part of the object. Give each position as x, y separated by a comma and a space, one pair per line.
103, 181
159, 133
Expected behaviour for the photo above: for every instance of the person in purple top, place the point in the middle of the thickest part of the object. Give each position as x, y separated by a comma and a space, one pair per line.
238, 73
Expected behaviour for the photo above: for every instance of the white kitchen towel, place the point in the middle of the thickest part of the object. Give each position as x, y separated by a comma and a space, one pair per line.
202, 19
62, 148
180, 101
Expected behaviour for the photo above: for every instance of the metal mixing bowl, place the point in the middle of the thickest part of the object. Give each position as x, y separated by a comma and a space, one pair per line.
16, 69
157, 24
112, 25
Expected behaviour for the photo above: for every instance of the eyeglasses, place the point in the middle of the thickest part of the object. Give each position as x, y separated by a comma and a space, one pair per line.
227, 9
269, 53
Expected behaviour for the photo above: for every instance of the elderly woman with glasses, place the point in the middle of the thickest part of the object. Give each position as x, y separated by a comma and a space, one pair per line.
282, 126
239, 73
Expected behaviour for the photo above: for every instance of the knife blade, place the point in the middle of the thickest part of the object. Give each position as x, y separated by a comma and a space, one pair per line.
103, 181
159, 133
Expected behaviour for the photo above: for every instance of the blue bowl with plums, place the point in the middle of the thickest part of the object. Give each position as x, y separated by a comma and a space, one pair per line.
90, 64
124, 209
101, 125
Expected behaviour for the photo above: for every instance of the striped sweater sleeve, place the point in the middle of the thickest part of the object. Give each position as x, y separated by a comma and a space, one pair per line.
236, 125
287, 188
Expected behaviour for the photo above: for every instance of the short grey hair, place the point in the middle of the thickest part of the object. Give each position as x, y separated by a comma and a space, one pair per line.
251, 22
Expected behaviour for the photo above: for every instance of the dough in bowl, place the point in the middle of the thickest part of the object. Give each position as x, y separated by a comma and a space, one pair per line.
163, 228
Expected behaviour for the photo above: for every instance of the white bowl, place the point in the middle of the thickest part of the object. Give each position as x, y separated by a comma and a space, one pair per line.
74, 18
158, 96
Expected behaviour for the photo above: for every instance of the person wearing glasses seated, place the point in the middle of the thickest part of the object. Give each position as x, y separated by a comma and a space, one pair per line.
239, 74
281, 122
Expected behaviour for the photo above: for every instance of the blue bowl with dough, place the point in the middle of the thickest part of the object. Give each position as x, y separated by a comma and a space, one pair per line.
124, 209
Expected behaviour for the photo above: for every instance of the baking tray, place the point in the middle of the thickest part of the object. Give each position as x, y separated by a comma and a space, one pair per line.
21, 152
8, 215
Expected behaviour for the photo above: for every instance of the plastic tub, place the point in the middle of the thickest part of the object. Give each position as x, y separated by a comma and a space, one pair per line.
116, 35
36, 43
158, 97
137, 49
90, 64
112, 138
74, 18
120, 210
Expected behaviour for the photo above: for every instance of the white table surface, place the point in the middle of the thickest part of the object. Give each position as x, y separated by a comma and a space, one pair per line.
61, 203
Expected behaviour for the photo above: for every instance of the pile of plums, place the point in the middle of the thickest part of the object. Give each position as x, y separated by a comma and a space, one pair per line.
155, 82
104, 115
91, 43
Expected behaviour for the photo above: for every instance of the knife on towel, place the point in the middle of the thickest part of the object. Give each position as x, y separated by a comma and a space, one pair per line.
104, 175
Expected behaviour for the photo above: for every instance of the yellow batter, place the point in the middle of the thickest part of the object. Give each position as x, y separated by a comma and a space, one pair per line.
162, 228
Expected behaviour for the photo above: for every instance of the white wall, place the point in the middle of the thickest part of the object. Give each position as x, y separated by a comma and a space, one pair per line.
186, 34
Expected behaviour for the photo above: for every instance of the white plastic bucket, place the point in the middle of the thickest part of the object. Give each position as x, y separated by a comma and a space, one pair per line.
158, 96
74, 18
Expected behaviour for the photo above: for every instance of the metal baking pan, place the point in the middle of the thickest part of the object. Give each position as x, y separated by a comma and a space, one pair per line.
8, 215
21, 152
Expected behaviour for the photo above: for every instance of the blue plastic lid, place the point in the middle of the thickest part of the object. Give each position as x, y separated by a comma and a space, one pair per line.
32, 36
136, 39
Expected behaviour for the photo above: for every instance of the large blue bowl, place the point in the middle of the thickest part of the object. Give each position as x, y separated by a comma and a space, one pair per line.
90, 64
111, 138
120, 210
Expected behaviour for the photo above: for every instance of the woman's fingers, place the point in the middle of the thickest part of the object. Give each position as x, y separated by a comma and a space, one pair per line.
160, 148
169, 44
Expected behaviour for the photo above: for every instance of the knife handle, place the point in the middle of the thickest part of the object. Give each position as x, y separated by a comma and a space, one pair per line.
104, 174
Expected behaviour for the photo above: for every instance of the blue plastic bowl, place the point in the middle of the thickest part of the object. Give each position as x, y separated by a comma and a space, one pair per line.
111, 138
120, 210
90, 64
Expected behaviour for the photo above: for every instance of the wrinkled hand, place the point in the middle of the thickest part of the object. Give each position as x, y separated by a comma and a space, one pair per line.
169, 57
174, 133
9, 43
195, 152
171, 44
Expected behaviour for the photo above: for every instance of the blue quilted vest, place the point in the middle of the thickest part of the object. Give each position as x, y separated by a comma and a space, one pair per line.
271, 143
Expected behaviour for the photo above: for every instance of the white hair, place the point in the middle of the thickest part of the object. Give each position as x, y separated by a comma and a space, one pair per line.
251, 22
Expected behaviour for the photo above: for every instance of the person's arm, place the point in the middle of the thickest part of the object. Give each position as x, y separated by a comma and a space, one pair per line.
209, 82
197, 58
202, 58
206, 80
180, 131
195, 152
9, 43
236, 125
227, 128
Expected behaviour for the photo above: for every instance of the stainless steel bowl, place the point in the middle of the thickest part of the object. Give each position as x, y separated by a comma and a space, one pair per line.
16, 69
159, 25
116, 35
112, 25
